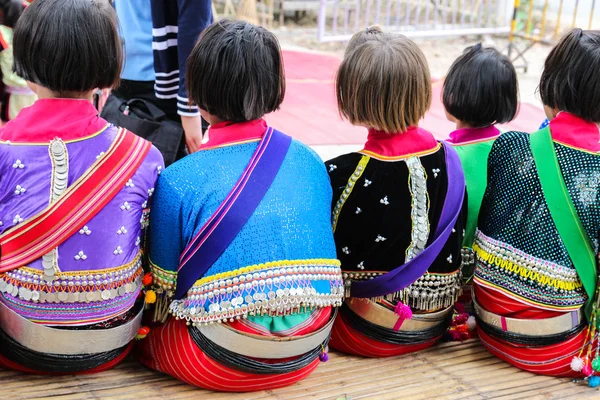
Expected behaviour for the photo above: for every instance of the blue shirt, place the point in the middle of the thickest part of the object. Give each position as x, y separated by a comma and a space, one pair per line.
135, 17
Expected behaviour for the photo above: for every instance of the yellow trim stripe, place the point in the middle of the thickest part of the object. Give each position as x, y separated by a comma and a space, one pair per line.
230, 144
9, 143
490, 139
524, 272
576, 148
360, 169
251, 269
402, 157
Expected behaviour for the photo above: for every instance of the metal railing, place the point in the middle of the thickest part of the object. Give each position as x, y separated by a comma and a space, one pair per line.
544, 21
339, 19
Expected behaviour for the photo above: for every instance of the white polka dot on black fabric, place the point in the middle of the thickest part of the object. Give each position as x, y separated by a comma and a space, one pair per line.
515, 209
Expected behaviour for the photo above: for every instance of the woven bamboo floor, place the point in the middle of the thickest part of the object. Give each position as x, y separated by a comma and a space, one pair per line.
448, 371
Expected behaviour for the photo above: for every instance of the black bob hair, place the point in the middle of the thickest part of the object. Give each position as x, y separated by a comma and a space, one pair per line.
571, 78
68, 46
235, 71
11, 11
481, 88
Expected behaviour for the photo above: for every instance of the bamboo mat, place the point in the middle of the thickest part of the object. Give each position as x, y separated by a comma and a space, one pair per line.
447, 371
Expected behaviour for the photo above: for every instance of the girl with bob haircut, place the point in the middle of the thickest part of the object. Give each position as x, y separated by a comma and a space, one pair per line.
480, 91
535, 281
242, 252
396, 206
74, 194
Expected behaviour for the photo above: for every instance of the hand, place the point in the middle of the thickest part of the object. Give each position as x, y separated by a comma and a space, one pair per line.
192, 127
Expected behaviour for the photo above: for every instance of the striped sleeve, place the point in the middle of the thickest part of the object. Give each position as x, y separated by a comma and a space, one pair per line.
176, 27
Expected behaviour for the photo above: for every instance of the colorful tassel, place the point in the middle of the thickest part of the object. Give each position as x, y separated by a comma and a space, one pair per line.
471, 323
150, 297
577, 364
594, 381
142, 333
324, 357
147, 279
403, 312
587, 370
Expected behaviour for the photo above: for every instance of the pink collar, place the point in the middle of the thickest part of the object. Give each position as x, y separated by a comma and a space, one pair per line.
47, 119
471, 135
415, 141
228, 133
572, 131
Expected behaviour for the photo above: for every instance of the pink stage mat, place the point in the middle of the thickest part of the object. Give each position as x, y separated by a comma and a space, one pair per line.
309, 111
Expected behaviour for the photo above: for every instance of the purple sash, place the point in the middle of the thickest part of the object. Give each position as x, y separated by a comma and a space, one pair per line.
231, 216
406, 274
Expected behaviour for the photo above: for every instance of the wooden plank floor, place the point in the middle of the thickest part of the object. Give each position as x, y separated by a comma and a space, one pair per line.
448, 371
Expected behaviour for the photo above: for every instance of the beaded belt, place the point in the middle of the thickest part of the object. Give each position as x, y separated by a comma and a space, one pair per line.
379, 315
274, 288
530, 327
431, 291
250, 345
72, 298
44, 339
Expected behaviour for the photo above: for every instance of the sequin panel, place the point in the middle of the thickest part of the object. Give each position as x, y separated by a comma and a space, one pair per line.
525, 276
277, 288
71, 297
419, 212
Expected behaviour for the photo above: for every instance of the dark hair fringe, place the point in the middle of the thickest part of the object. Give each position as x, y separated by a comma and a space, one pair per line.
11, 11
68, 46
481, 88
571, 78
235, 71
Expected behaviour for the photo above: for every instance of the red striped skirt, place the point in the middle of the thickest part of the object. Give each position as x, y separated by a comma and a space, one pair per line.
348, 340
552, 360
169, 348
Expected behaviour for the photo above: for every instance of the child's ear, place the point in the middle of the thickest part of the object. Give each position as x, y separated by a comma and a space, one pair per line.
551, 113
35, 88
449, 116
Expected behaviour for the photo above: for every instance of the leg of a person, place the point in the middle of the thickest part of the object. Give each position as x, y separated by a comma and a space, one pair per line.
553, 360
170, 349
348, 340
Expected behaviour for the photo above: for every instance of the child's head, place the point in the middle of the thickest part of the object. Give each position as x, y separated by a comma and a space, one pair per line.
235, 72
571, 78
373, 32
481, 88
11, 11
69, 47
384, 84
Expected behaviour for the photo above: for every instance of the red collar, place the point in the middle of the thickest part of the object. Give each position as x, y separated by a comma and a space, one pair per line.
415, 141
47, 119
572, 131
471, 135
229, 133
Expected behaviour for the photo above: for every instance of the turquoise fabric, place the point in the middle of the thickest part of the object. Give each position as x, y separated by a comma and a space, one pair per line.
292, 222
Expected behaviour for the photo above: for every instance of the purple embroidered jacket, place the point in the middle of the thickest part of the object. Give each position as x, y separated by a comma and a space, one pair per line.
97, 271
